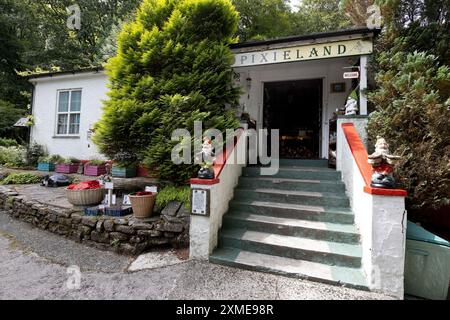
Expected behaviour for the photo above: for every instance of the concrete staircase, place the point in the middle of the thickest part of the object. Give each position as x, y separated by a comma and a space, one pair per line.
297, 223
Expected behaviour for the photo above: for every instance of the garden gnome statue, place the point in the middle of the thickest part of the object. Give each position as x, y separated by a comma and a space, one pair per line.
383, 165
351, 107
206, 171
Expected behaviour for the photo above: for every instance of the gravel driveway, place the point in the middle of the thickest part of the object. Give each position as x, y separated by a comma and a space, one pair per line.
33, 265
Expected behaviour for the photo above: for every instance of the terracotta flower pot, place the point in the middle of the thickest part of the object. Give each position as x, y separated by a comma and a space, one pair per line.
142, 205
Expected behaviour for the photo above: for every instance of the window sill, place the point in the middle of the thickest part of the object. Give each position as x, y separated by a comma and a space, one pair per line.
66, 137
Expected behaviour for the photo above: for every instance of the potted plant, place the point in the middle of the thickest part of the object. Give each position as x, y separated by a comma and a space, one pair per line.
67, 165
124, 165
85, 193
47, 163
95, 168
142, 204
143, 170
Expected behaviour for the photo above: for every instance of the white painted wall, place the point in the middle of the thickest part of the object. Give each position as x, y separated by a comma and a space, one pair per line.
203, 231
94, 90
360, 123
330, 70
381, 221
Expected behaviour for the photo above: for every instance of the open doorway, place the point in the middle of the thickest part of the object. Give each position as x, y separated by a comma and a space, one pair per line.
295, 108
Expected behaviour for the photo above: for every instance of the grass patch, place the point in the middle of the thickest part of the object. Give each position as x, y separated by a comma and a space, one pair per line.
21, 178
171, 193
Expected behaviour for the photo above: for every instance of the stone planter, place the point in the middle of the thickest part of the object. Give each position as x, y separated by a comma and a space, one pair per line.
124, 172
67, 168
142, 205
89, 197
94, 171
46, 166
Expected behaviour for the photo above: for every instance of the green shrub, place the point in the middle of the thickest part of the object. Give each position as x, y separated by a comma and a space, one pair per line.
51, 159
34, 152
412, 113
172, 193
44, 159
68, 161
21, 178
96, 162
8, 142
125, 159
173, 67
12, 156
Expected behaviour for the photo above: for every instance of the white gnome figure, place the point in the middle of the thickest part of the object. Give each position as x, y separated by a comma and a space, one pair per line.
208, 151
207, 154
382, 163
382, 147
351, 107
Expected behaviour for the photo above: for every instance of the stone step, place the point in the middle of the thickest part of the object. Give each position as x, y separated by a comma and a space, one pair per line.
293, 211
336, 275
303, 173
304, 163
344, 233
292, 196
331, 253
328, 186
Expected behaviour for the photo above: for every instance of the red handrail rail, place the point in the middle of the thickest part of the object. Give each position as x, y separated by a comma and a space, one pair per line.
361, 157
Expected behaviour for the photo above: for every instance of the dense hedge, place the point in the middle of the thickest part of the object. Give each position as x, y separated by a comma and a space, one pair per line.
412, 113
173, 67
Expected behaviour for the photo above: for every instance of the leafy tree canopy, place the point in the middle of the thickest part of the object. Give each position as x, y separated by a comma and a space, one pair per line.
263, 19
319, 16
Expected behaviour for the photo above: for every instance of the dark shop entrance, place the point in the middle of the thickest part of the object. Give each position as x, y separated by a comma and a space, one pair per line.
295, 108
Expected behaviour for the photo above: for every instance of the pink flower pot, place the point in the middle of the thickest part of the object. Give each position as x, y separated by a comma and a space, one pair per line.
67, 168
94, 171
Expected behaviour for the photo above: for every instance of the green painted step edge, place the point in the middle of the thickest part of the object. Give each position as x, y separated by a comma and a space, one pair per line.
308, 233
293, 199
301, 193
224, 256
327, 226
234, 238
275, 210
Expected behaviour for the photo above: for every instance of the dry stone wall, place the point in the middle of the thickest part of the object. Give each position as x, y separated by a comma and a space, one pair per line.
125, 235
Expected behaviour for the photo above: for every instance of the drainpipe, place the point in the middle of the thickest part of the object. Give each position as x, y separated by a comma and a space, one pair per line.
363, 85
31, 111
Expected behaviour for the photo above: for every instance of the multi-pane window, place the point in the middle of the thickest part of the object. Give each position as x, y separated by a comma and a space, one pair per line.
69, 108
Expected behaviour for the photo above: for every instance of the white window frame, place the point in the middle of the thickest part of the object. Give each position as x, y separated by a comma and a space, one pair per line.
68, 112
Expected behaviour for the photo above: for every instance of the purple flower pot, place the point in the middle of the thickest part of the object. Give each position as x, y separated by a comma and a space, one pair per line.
94, 171
67, 168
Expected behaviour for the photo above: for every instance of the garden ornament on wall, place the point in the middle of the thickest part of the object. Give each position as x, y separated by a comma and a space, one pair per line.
383, 165
207, 154
351, 107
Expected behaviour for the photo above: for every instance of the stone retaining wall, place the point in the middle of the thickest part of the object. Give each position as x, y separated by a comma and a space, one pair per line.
125, 235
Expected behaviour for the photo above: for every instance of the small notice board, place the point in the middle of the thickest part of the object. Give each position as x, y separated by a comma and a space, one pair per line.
200, 200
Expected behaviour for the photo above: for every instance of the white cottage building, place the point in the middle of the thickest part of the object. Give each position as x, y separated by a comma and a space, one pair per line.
307, 221
294, 84
65, 107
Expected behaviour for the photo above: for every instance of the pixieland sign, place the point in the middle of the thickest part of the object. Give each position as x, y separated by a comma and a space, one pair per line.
305, 52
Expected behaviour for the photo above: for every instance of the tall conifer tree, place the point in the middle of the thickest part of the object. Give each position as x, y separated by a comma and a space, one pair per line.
173, 67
